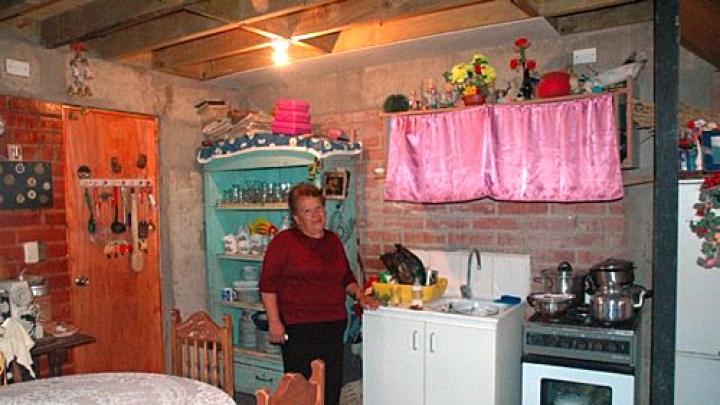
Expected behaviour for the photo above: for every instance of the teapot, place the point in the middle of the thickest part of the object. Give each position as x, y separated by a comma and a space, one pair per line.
612, 303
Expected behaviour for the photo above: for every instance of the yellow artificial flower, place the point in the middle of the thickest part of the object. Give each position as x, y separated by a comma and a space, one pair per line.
480, 58
459, 73
489, 73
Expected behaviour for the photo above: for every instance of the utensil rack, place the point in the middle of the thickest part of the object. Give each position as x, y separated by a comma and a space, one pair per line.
115, 183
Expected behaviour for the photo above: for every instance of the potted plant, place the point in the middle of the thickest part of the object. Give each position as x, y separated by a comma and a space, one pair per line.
471, 79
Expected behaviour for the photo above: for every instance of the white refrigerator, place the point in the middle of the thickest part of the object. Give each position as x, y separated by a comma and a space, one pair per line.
697, 346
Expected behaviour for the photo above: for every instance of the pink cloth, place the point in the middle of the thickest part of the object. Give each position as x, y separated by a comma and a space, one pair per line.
292, 116
553, 151
293, 104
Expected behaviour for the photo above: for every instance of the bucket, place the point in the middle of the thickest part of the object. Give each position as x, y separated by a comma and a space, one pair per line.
262, 340
247, 331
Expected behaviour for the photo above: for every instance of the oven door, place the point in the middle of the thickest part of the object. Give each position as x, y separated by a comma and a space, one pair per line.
545, 384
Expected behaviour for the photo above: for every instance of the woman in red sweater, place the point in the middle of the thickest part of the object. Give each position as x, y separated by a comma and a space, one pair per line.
304, 281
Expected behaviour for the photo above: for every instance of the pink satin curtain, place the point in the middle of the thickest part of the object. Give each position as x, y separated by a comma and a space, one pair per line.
553, 151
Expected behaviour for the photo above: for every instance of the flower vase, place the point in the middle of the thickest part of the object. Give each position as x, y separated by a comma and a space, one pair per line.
526, 87
474, 99
692, 155
699, 156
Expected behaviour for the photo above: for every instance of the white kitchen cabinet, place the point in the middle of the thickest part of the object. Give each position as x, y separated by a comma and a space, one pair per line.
431, 358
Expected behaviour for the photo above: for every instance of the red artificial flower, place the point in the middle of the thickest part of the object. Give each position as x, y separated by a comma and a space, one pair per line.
78, 47
685, 143
514, 63
522, 42
700, 212
691, 124
478, 69
531, 64
701, 231
711, 182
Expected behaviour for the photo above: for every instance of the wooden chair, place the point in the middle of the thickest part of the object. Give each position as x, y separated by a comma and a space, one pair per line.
294, 389
202, 350
3, 370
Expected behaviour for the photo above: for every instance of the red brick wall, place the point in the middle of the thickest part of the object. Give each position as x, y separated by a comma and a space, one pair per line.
37, 127
582, 234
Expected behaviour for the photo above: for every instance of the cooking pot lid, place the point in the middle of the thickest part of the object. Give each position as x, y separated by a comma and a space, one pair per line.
563, 270
613, 264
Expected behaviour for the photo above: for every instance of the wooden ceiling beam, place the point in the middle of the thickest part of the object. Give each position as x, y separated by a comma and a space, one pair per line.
10, 9
552, 8
153, 34
338, 16
699, 27
247, 61
249, 11
367, 35
605, 18
478, 15
100, 17
207, 48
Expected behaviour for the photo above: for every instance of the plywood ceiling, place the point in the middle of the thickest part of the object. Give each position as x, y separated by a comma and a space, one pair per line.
208, 39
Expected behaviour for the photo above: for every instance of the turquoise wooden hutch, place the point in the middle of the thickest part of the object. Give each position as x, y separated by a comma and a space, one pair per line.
267, 161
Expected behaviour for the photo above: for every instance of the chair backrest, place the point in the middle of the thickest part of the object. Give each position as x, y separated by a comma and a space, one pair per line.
294, 389
202, 350
3, 370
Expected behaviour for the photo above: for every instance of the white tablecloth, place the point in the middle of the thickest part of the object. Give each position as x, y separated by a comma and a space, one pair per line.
114, 388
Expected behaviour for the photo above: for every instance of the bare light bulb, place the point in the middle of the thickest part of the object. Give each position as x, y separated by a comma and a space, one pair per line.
280, 56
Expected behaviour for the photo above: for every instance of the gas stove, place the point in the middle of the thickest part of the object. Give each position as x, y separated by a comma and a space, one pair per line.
576, 340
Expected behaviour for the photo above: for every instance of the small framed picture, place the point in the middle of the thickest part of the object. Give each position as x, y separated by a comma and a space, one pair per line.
335, 185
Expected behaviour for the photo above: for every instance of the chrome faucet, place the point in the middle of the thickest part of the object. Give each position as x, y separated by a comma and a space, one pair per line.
466, 289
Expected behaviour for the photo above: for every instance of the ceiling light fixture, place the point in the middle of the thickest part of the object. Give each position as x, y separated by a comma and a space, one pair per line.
280, 56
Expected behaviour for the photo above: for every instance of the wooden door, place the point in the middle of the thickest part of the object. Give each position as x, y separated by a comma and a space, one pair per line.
119, 306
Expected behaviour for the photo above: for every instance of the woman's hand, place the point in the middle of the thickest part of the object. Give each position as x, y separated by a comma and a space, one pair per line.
277, 332
367, 301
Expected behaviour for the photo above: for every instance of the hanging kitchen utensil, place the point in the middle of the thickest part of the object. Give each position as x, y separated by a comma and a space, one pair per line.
141, 161
115, 165
83, 172
136, 257
117, 226
91, 226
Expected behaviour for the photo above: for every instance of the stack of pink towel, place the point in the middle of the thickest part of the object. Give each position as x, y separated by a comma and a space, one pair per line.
292, 117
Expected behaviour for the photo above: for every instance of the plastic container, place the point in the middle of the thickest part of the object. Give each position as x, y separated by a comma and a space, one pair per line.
247, 291
250, 273
417, 295
429, 293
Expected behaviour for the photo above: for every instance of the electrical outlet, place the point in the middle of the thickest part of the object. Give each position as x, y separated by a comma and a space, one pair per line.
581, 56
17, 67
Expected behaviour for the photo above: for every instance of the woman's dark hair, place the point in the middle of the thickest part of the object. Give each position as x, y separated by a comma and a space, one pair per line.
303, 190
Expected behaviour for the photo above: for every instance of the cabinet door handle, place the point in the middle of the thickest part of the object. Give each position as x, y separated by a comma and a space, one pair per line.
415, 340
266, 380
433, 343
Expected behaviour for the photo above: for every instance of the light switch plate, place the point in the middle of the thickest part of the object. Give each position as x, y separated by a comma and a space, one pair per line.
588, 55
17, 67
32, 252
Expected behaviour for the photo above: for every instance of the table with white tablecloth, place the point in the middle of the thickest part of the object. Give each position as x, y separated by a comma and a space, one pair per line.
114, 388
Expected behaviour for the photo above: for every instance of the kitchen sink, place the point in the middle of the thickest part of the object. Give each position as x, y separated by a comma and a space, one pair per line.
465, 306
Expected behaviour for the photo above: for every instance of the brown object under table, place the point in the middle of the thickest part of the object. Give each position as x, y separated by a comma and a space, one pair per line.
56, 349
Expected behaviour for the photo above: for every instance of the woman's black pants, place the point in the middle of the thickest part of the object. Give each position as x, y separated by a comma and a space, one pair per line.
310, 341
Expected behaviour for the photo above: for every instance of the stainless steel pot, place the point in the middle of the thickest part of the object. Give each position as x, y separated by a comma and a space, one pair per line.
563, 281
611, 270
550, 305
612, 303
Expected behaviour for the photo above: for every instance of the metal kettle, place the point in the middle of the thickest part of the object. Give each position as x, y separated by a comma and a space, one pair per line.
612, 303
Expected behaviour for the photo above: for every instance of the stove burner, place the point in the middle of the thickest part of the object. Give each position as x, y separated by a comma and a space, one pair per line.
580, 316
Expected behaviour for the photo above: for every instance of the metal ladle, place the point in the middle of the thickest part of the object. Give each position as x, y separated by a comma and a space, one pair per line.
117, 226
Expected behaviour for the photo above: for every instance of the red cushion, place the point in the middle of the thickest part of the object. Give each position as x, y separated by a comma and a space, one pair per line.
554, 84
